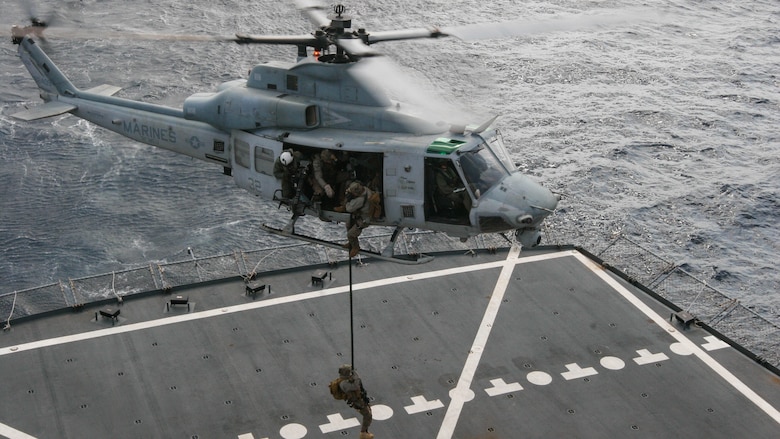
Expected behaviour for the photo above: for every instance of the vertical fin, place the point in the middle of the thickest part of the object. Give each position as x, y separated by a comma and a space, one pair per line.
48, 77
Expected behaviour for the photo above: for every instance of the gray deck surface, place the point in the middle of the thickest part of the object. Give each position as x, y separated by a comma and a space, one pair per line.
554, 351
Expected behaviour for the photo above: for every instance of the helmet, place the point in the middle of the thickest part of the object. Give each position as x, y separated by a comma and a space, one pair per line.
286, 158
356, 189
345, 371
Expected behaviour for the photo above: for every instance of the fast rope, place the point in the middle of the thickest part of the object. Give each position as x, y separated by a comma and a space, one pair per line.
351, 319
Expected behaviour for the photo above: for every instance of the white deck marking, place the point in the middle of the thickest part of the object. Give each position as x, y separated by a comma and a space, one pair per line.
575, 371
293, 431
714, 343
645, 357
612, 363
462, 391
337, 422
420, 404
681, 349
296, 297
12, 433
538, 377
381, 412
681, 338
500, 387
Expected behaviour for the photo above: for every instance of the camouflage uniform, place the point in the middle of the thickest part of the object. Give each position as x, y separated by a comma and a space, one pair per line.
356, 397
358, 206
447, 182
325, 172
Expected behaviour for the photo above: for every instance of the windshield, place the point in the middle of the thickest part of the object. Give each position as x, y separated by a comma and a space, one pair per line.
481, 169
496, 144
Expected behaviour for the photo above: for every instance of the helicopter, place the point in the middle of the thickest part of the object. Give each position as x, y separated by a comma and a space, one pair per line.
321, 107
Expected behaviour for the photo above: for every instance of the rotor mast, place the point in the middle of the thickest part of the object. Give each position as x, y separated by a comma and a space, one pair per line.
335, 31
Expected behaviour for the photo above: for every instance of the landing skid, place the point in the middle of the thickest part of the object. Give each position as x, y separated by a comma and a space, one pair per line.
401, 259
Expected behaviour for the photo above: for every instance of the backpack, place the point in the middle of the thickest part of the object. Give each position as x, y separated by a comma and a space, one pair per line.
335, 389
375, 206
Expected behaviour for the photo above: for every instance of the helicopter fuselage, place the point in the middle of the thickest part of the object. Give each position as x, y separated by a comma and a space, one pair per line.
309, 107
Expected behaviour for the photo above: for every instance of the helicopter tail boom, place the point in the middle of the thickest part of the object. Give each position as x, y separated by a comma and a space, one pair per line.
52, 82
152, 124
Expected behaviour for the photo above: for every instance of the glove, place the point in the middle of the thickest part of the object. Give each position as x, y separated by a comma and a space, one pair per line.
328, 191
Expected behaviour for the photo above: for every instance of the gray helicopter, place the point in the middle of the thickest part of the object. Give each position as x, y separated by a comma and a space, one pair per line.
321, 121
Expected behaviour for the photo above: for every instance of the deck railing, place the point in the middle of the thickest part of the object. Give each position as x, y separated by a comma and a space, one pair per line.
710, 306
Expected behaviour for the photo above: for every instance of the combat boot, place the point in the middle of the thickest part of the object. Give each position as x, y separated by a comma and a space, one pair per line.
353, 252
354, 245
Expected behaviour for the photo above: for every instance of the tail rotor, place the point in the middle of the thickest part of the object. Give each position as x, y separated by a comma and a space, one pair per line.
38, 23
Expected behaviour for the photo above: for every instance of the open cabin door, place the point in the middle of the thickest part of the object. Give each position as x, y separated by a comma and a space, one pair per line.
446, 199
340, 169
252, 158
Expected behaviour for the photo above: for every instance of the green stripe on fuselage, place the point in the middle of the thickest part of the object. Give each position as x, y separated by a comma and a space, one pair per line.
443, 145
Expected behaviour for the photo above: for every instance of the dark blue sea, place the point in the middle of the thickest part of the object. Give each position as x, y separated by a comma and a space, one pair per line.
662, 125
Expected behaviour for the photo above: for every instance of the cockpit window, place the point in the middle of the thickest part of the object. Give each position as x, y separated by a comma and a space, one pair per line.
482, 169
496, 144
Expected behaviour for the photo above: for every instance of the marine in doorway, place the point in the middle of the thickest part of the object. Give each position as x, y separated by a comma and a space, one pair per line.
329, 178
359, 206
349, 387
286, 170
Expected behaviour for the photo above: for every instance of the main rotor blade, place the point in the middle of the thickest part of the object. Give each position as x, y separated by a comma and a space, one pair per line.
513, 28
315, 11
404, 34
88, 34
356, 47
299, 40
521, 27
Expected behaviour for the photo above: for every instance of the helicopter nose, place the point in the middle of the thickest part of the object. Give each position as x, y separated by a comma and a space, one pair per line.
532, 201
546, 201
521, 202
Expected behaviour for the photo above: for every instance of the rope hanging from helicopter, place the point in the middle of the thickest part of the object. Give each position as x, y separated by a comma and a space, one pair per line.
351, 319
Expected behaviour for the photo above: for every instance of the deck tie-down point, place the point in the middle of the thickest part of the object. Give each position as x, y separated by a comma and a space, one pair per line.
684, 317
178, 300
110, 313
318, 277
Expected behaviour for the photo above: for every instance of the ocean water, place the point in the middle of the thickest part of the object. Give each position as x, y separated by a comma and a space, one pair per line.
663, 124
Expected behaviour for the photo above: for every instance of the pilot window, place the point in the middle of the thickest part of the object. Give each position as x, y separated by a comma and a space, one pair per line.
482, 170
242, 153
496, 144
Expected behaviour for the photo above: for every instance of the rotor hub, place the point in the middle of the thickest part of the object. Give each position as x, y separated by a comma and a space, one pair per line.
339, 21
